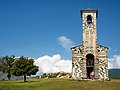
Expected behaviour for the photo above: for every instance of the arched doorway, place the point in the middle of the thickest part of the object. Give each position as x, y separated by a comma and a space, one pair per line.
89, 64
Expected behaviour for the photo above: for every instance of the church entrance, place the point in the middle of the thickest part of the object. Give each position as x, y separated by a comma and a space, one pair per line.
89, 64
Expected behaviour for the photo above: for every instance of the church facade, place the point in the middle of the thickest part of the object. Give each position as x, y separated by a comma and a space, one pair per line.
89, 56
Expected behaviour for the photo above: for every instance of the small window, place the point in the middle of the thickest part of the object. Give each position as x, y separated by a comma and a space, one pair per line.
89, 19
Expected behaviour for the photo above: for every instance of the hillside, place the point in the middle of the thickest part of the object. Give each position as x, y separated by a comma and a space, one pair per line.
114, 73
4, 77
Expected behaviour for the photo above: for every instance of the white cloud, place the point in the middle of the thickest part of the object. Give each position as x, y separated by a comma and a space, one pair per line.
48, 64
66, 42
114, 62
52, 64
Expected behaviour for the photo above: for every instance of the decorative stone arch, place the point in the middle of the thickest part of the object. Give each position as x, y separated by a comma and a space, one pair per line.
89, 64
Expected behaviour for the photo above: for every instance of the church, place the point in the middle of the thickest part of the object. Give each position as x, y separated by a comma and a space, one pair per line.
89, 56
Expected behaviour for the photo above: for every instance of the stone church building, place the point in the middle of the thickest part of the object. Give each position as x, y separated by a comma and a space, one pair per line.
89, 56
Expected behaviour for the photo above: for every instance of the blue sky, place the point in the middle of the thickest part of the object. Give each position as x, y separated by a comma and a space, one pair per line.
32, 27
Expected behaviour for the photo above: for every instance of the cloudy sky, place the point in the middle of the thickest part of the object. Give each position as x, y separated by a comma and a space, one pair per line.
47, 29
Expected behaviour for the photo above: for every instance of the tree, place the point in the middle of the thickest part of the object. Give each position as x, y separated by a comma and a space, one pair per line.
0, 63
24, 66
6, 64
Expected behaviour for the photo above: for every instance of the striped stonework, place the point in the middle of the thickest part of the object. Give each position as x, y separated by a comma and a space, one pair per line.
89, 56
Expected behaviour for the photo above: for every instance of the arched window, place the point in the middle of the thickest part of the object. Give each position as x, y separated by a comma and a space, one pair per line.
89, 64
90, 60
89, 19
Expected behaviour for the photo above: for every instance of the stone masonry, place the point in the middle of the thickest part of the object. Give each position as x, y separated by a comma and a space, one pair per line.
89, 56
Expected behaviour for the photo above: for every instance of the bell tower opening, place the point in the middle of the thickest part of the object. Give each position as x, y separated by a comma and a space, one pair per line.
89, 64
89, 19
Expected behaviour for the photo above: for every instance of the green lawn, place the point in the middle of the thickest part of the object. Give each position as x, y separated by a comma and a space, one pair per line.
59, 84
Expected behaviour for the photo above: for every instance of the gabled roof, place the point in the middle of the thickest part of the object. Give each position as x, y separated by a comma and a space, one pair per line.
77, 46
102, 46
82, 45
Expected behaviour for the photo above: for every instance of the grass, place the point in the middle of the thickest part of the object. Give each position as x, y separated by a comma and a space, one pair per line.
59, 84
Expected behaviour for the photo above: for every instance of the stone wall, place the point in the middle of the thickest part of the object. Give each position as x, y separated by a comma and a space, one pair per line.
80, 70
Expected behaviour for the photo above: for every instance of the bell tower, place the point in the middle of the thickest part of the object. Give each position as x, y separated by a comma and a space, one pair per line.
89, 56
89, 30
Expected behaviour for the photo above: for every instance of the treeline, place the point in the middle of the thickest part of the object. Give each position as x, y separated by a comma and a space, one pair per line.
114, 73
56, 75
21, 66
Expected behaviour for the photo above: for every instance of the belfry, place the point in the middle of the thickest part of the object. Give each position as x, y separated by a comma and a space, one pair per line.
89, 56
